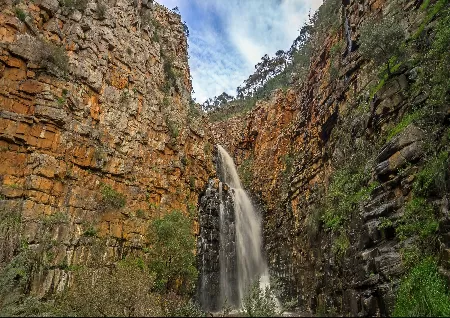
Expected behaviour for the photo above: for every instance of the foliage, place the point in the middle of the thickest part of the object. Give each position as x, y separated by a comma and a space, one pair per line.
20, 14
418, 218
120, 291
14, 277
432, 179
172, 258
435, 62
423, 292
380, 41
170, 75
245, 172
258, 302
172, 127
341, 244
405, 122
90, 231
51, 55
111, 198
347, 189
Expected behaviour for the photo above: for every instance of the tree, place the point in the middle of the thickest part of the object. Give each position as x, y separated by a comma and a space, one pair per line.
172, 258
381, 42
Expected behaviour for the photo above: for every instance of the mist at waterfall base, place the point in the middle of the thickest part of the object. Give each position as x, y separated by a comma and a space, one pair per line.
229, 267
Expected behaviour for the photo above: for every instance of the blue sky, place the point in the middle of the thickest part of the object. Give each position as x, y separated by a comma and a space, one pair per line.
229, 37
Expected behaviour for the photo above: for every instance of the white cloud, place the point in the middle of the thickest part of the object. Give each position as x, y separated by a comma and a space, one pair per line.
228, 37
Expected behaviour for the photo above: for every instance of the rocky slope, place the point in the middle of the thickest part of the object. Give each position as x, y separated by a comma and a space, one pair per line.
98, 135
302, 151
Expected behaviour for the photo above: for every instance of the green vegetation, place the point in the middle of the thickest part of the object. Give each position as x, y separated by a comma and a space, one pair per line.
55, 218
170, 74
432, 179
259, 303
341, 244
423, 292
171, 249
245, 172
405, 122
380, 41
53, 56
20, 14
91, 231
432, 60
172, 127
418, 219
347, 190
111, 198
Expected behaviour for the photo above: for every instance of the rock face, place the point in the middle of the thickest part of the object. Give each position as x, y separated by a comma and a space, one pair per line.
289, 145
216, 203
97, 134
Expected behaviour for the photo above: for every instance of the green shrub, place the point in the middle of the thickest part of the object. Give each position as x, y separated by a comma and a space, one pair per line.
172, 259
111, 198
172, 127
90, 231
405, 122
341, 244
418, 218
346, 191
20, 14
245, 172
53, 55
380, 41
423, 292
432, 179
259, 303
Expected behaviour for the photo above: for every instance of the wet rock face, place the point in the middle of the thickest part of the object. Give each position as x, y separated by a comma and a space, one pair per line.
93, 145
211, 293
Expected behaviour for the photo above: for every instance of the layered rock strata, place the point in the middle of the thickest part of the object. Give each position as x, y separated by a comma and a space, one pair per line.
97, 132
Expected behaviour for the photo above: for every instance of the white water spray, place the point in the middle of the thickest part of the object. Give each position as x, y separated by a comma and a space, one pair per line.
250, 261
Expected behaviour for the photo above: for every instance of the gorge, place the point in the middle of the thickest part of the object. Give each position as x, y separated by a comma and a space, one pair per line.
117, 200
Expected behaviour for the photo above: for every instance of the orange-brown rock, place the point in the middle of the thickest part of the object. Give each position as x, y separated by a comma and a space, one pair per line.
80, 108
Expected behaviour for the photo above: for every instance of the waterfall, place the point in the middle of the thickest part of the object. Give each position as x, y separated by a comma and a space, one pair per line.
230, 255
249, 258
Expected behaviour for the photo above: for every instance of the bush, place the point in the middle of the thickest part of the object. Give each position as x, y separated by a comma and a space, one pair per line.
418, 218
259, 303
172, 259
347, 189
111, 198
20, 14
120, 291
423, 292
51, 55
432, 179
380, 41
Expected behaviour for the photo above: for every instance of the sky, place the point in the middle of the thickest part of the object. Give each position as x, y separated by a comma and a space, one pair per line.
229, 37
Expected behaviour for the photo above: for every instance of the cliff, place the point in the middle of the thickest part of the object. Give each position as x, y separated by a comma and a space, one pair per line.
339, 162
98, 135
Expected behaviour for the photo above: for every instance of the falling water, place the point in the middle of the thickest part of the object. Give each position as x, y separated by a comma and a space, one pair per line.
250, 261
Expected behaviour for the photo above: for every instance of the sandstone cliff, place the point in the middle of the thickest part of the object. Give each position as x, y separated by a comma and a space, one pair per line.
98, 135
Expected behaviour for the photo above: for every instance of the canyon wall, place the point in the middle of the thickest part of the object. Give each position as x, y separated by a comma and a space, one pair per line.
98, 134
292, 145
